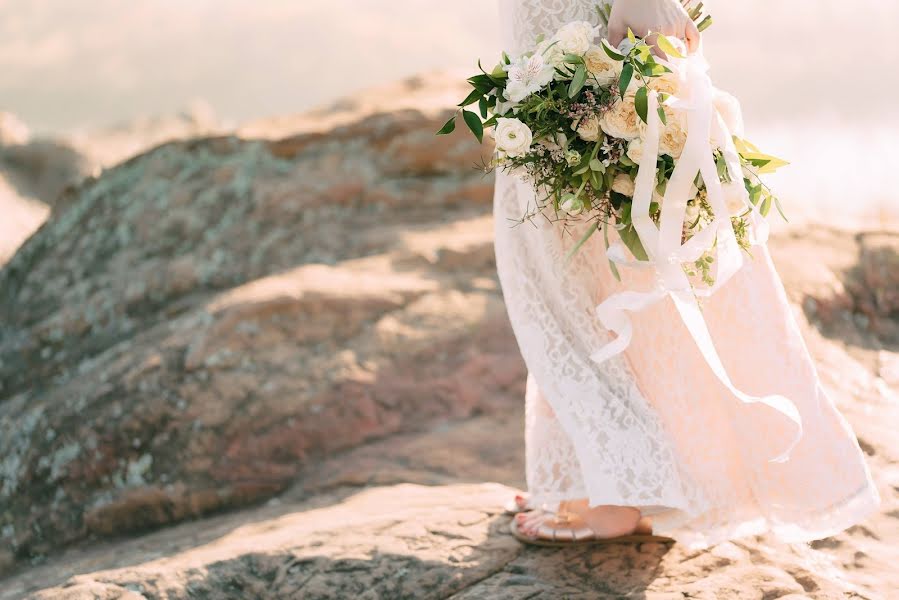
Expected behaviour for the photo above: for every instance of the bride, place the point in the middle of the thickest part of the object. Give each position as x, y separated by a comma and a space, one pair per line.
651, 441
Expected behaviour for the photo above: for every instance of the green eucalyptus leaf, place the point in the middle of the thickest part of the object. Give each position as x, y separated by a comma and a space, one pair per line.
612, 52
474, 123
448, 127
667, 47
780, 209
590, 231
473, 97
624, 80
577, 82
630, 238
641, 103
482, 104
662, 116
654, 69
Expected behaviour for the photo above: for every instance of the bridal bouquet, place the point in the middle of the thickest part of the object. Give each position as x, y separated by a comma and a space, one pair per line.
593, 127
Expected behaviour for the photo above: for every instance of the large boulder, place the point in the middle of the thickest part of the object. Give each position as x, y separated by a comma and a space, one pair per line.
188, 330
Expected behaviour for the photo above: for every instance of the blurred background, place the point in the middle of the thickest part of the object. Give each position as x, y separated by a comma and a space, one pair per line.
264, 286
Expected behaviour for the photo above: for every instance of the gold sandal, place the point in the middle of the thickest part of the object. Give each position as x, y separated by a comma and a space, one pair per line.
567, 536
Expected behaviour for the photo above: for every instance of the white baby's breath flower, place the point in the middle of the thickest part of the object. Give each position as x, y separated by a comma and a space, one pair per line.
588, 129
571, 204
623, 184
527, 75
621, 121
576, 37
513, 138
603, 69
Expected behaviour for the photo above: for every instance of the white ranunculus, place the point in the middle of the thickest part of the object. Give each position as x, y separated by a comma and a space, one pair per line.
513, 138
602, 68
571, 204
588, 129
576, 37
572, 157
527, 75
673, 136
623, 184
621, 121
729, 109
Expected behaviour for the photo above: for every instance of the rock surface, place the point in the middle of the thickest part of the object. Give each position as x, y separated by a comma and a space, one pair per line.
309, 333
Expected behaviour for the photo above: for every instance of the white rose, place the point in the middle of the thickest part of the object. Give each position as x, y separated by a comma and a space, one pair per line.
669, 83
729, 109
621, 121
623, 184
635, 150
674, 134
513, 138
588, 129
602, 68
571, 204
576, 37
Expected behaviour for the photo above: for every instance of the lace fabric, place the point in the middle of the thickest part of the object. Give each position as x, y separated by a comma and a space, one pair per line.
652, 428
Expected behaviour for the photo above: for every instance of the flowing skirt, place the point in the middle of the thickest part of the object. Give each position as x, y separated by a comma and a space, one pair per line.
654, 428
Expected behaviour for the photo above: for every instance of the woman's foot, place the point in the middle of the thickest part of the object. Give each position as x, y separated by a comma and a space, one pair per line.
575, 519
520, 503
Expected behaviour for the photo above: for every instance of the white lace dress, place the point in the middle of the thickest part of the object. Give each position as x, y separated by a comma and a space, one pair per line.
653, 428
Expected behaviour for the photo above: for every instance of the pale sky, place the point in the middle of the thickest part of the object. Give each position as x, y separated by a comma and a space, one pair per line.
67, 63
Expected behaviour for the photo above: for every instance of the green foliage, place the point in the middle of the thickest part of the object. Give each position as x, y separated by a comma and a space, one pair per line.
577, 82
474, 124
448, 127
641, 102
566, 167
667, 47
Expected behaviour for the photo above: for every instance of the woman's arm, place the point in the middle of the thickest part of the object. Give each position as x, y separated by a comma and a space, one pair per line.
668, 17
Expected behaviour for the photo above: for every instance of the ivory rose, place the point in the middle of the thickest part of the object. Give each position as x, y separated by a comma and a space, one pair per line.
622, 121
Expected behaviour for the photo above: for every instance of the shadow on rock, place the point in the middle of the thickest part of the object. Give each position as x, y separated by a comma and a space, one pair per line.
393, 542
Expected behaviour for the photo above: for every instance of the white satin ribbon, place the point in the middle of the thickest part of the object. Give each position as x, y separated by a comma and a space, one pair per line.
663, 243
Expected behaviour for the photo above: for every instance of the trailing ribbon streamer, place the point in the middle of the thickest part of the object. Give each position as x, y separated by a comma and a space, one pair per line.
663, 243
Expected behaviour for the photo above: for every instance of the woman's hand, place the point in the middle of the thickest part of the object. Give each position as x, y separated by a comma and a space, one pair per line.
668, 17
